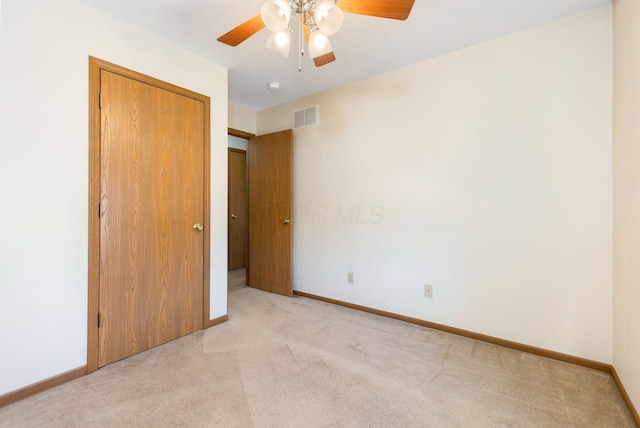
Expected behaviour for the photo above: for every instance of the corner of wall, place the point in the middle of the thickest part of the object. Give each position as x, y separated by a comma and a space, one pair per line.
626, 204
242, 118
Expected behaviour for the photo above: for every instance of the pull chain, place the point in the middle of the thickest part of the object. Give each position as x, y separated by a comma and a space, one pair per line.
300, 48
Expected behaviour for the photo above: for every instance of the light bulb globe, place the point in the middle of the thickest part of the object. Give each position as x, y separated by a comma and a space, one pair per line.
328, 17
280, 42
276, 15
319, 44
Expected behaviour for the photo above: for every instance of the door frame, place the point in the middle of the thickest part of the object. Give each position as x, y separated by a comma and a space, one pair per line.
247, 135
95, 67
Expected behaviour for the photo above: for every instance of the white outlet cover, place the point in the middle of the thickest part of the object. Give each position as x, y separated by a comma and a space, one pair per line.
428, 291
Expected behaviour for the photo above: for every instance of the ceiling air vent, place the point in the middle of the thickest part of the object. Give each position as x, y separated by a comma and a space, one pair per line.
306, 117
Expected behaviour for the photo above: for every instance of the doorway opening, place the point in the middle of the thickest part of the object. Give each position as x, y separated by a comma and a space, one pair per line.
237, 211
269, 190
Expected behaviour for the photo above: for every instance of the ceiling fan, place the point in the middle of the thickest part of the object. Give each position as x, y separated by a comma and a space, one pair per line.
318, 19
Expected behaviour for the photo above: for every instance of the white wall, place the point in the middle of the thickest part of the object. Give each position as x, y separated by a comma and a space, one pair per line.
44, 49
237, 142
626, 195
485, 172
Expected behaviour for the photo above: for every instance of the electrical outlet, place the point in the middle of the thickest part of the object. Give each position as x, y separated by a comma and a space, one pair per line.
428, 291
350, 277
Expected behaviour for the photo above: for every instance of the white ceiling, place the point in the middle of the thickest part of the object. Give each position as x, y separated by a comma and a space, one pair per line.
364, 46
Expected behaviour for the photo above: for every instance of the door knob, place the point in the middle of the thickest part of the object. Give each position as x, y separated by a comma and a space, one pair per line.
234, 216
287, 221
199, 227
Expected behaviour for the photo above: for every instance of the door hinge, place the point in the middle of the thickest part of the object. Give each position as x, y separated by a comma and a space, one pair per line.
100, 213
100, 101
99, 320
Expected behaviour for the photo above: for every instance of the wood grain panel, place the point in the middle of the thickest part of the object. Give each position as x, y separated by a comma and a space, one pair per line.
151, 260
237, 210
324, 59
240, 134
41, 386
270, 168
392, 9
216, 321
93, 270
206, 252
243, 31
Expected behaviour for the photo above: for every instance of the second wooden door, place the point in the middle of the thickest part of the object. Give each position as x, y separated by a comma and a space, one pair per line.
237, 216
270, 213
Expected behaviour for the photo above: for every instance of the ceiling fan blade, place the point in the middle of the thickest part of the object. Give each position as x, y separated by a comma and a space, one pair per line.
392, 9
324, 59
243, 31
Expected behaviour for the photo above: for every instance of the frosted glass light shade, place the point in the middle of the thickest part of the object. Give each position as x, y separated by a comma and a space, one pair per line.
280, 42
328, 17
319, 44
276, 15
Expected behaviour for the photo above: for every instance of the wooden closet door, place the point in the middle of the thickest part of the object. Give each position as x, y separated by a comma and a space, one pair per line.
151, 256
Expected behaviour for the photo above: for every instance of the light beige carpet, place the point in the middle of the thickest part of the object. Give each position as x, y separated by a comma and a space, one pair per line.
295, 362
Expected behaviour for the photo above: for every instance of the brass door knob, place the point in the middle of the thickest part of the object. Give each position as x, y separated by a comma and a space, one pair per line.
287, 221
234, 216
199, 227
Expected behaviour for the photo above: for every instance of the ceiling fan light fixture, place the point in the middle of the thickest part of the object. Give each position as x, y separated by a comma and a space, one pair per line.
328, 17
321, 17
276, 15
280, 41
319, 44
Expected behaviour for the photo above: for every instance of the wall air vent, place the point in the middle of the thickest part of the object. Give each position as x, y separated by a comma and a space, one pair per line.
309, 116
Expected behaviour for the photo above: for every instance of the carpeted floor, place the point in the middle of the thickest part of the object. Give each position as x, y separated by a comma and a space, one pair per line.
295, 362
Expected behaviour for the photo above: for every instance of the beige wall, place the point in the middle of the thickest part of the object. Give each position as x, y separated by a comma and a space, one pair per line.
242, 119
626, 195
485, 172
44, 68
